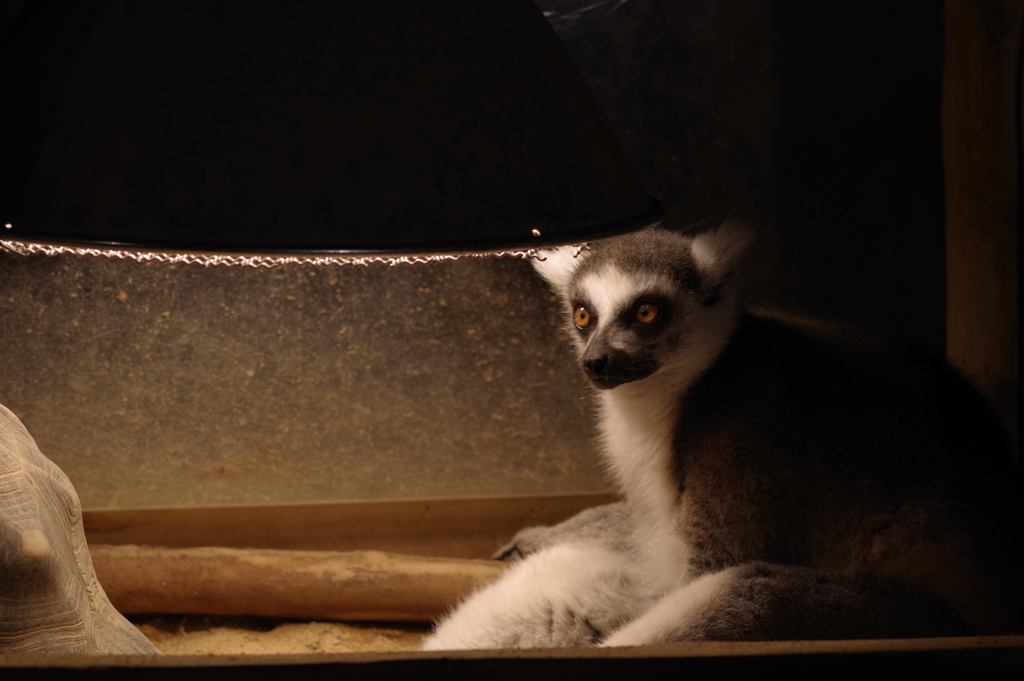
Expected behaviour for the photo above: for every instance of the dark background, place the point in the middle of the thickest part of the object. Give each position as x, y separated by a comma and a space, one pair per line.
818, 122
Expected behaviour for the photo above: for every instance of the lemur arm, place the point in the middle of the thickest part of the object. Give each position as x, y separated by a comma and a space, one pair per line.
609, 526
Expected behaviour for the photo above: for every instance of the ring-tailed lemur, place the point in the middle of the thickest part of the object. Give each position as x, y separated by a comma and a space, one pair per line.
784, 479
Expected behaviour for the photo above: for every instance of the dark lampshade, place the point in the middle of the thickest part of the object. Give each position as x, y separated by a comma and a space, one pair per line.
303, 126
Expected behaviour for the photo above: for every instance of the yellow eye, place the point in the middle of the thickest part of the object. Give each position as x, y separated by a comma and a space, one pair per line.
582, 317
647, 313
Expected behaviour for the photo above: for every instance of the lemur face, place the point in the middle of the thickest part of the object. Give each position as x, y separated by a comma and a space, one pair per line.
625, 325
647, 302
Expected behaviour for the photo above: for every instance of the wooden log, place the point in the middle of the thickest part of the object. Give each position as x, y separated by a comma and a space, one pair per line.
318, 585
50, 601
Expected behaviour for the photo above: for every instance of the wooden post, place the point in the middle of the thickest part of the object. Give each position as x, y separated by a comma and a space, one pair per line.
982, 146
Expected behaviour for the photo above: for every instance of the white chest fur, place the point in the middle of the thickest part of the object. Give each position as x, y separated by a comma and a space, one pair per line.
637, 431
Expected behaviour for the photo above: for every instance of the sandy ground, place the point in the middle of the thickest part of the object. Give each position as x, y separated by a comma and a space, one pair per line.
207, 635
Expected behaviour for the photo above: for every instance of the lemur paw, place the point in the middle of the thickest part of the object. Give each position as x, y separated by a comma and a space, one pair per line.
569, 595
527, 541
610, 526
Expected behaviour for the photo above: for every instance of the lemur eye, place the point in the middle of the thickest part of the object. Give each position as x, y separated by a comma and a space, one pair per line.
647, 313
582, 317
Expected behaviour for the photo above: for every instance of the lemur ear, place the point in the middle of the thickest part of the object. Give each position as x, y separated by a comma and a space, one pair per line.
556, 265
719, 252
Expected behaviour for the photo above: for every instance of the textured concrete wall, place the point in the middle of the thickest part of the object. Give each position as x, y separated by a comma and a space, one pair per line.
157, 386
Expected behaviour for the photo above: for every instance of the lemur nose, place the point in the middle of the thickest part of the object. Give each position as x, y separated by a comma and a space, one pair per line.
595, 366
